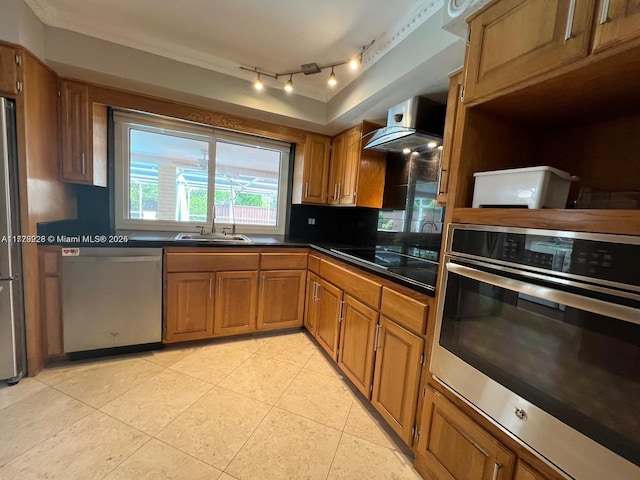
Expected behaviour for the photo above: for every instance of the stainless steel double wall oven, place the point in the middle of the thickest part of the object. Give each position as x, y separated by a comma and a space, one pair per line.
540, 331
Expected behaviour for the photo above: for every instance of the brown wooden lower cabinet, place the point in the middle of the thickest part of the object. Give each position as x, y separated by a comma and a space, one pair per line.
525, 472
357, 337
236, 296
453, 447
281, 299
189, 306
328, 316
51, 299
397, 376
311, 304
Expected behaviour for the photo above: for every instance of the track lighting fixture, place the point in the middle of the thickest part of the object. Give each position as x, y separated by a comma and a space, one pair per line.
308, 69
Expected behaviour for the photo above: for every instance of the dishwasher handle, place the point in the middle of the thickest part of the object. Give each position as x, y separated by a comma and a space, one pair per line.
125, 259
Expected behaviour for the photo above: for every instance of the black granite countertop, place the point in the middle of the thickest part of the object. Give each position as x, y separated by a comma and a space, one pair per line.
421, 277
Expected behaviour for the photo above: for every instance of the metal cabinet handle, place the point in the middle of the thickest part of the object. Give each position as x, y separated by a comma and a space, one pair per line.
604, 13
306, 190
219, 288
83, 163
375, 343
210, 287
339, 191
570, 17
262, 286
315, 291
335, 191
496, 471
341, 310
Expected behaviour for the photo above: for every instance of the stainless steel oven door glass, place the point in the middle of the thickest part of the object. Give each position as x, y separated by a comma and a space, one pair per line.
554, 361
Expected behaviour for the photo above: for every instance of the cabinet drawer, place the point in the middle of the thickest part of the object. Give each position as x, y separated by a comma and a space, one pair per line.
283, 261
356, 285
314, 264
406, 311
210, 262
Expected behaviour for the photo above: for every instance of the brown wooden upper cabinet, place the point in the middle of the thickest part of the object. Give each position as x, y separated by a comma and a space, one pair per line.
83, 130
10, 71
514, 40
617, 22
315, 169
356, 175
453, 102
453, 447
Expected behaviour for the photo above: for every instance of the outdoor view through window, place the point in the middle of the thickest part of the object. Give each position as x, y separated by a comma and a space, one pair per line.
177, 176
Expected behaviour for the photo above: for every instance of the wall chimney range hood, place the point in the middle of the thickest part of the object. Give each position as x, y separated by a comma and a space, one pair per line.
411, 124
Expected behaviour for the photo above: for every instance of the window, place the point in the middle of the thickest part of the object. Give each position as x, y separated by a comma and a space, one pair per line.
173, 175
421, 213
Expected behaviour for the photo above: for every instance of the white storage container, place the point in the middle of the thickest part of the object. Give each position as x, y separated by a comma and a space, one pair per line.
533, 187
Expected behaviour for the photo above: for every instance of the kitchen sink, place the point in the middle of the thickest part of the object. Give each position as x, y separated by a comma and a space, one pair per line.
212, 237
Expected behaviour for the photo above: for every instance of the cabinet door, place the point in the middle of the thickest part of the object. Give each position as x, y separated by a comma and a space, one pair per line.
347, 186
316, 169
525, 472
336, 169
618, 21
83, 133
189, 306
453, 102
453, 447
514, 40
311, 304
236, 294
51, 298
329, 311
357, 337
74, 129
8, 70
281, 300
397, 376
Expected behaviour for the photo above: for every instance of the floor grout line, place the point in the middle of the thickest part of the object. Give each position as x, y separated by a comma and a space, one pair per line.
252, 355
261, 421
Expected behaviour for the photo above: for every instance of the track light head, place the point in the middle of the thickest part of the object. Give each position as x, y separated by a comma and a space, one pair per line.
333, 81
288, 87
257, 84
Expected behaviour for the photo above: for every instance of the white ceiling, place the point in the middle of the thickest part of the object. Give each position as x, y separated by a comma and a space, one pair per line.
273, 35
190, 51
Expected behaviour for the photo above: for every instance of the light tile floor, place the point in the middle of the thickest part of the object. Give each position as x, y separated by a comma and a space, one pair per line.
255, 408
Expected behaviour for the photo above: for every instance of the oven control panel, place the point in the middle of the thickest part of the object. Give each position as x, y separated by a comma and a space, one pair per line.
599, 257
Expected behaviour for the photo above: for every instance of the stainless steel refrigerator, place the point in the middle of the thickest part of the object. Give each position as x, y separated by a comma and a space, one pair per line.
12, 348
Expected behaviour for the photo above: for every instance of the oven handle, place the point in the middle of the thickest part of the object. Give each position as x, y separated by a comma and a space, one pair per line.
589, 304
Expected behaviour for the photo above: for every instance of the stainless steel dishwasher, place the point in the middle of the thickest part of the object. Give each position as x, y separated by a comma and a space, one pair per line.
111, 297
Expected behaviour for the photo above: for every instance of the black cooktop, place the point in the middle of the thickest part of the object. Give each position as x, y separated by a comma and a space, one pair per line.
415, 263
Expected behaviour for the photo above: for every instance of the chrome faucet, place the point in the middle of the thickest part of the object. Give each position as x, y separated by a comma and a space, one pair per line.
213, 219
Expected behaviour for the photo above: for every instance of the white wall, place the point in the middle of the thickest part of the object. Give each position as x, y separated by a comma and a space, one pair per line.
19, 25
418, 65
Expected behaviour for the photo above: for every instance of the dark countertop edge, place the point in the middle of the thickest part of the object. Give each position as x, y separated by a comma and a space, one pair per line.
277, 241
407, 282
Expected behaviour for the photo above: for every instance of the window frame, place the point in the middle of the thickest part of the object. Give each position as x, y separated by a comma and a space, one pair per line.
125, 121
